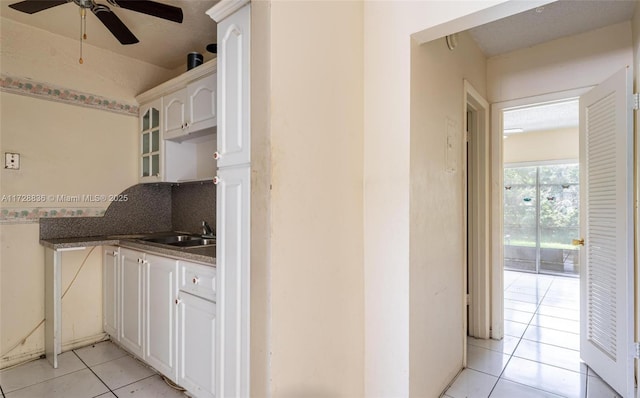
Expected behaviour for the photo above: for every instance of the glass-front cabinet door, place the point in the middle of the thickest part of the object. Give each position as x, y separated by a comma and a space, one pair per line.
150, 143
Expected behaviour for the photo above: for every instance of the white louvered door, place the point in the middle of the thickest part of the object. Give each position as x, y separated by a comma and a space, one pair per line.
606, 268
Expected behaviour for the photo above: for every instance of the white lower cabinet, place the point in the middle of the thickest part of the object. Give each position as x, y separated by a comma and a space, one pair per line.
110, 289
196, 329
196, 337
160, 314
131, 296
163, 311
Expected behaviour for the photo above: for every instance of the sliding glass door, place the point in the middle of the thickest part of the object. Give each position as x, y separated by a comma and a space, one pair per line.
541, 218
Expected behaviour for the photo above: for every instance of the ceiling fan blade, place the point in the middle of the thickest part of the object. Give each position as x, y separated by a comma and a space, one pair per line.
152, 8
33, 6
114, 24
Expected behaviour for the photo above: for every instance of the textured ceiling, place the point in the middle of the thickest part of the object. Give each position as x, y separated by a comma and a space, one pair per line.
559, 19
550, 116
162, 43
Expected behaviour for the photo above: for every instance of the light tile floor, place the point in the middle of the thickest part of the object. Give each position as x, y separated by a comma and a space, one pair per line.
538, 356
102, 370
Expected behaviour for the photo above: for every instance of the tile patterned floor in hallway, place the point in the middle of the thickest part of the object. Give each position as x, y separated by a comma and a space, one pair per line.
538, 356
102, 370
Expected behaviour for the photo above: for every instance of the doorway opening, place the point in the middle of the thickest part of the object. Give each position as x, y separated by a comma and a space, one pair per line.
477, 213
541, 179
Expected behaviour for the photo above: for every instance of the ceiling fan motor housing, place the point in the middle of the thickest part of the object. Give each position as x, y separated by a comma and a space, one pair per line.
85, 3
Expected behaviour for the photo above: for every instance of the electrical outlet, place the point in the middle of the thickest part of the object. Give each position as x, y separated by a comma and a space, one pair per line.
12, 161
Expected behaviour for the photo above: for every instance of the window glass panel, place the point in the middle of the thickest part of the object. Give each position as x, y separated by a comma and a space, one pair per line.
155, 164
155, 140
145, 143
520, 223
541, 217
145, 166
155, 119
145, 121
559, 218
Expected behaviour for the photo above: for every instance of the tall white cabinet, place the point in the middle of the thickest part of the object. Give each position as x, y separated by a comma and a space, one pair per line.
233, 181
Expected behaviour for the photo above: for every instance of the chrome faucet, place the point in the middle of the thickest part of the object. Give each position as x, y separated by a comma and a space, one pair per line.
206, 230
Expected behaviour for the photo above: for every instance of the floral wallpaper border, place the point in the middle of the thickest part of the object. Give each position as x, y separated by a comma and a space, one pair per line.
34, 214
28, 87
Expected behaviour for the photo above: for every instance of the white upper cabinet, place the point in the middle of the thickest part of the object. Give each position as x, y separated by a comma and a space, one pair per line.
201, 111
177, 127
191, 111
151, 145
234, 91
175, 114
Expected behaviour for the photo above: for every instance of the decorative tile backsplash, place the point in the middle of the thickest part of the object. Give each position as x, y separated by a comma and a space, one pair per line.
33, 214
24, 86
150, 208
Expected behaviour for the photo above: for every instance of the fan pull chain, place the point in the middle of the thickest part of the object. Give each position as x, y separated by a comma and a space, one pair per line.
83, 30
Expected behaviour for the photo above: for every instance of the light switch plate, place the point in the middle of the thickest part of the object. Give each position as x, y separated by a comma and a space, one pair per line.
12, 161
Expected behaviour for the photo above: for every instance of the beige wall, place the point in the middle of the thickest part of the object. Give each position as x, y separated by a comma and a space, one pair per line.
635, 28
45, 57
568, 63
538, 146
436, 203
316, 268
260, 199
64, 149
388, 27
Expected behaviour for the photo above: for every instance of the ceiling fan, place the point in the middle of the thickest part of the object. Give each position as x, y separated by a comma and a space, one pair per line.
105, 15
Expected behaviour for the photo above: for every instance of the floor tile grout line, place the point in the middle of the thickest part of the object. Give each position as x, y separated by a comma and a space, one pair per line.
520, 340
45, 381
531, 387
2, 392
95, 374
137, 381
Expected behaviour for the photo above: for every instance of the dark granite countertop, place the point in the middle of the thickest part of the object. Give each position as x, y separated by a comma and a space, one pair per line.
205, 254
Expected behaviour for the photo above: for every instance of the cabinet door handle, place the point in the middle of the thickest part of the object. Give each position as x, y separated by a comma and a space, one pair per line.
195, 280
216, 155
178, 301
216, 180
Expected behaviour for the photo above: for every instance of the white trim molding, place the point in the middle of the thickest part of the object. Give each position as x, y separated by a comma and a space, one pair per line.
225, 8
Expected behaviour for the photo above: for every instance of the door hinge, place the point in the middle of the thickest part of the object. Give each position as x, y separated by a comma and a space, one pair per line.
468, 299
636, 101
636, 350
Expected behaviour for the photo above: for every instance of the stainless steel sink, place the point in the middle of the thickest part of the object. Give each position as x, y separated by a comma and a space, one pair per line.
194, 242
172, 239
181, 240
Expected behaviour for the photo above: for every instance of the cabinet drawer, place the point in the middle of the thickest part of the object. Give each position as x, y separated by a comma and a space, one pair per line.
198, 280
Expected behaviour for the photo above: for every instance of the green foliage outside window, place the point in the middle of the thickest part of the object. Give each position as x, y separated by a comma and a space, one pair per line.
559, 205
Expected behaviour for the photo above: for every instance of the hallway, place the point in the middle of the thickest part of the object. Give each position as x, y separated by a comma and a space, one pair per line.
539, 355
